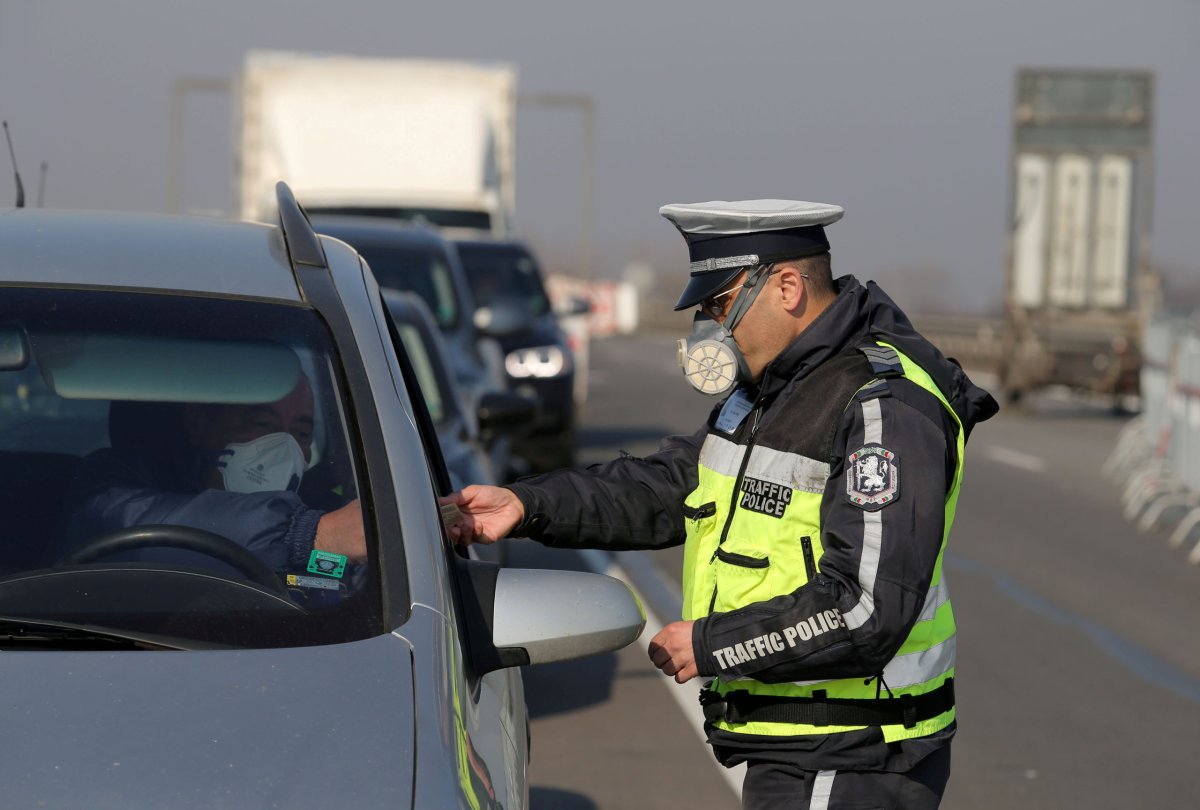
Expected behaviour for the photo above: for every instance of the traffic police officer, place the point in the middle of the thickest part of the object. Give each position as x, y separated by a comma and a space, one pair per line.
814, 507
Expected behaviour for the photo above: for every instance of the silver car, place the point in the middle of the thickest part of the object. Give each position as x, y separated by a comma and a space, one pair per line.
224, 575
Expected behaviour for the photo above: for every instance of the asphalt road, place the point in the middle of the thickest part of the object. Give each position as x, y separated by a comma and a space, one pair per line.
1078, 672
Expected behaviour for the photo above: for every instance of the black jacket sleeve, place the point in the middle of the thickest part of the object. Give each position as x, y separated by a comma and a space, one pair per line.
628, 503
878, 558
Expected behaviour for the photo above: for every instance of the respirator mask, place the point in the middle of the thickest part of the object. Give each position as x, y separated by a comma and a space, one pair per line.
710, 357
271, 463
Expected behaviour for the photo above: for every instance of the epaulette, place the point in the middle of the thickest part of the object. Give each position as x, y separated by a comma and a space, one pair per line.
872, 390
885, 362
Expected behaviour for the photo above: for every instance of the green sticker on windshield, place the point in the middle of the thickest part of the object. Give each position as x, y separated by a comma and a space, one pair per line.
327, 563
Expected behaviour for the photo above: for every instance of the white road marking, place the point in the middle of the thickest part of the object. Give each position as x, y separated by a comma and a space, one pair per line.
687, 695
1015, 458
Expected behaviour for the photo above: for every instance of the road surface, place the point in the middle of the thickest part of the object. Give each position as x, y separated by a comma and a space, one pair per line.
1078, 672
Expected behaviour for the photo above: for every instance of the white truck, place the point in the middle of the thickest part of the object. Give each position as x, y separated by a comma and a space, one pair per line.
403, 138
1080, 285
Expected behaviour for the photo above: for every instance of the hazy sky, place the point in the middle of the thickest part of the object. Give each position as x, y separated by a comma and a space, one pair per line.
898, 111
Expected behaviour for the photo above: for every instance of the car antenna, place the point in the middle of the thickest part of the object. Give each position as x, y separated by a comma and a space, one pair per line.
42, 183
16, 174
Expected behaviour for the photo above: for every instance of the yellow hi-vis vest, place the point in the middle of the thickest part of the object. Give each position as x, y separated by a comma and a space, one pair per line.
761, 559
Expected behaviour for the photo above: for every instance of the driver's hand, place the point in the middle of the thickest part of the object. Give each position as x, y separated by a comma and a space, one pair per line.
341, 532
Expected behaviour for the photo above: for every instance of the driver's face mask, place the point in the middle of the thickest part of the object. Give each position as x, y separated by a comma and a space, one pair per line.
271, 463
710, 357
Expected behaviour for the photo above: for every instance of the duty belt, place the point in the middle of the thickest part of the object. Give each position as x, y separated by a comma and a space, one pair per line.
819, 710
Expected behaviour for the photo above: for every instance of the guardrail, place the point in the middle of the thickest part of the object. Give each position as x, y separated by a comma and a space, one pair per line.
1157, 455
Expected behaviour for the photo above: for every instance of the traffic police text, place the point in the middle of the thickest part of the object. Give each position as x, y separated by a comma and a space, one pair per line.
777, 642
765, 498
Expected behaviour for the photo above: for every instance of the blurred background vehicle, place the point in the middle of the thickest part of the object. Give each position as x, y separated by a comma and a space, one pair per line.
1080, 285
399, 138
462, 434
509, 291
416, 258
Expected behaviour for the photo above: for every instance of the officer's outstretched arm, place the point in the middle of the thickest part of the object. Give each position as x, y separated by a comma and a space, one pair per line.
628, 503
883, 515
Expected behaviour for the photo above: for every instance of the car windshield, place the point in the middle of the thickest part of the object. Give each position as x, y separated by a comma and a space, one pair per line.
167, 461
496, 271
422, 270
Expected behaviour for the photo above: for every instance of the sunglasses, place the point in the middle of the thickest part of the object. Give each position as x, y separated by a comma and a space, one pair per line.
716, 306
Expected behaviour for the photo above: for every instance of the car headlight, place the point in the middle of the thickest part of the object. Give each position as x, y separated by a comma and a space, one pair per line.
537, 361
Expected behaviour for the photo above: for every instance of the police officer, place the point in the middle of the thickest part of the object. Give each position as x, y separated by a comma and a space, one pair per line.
814, 508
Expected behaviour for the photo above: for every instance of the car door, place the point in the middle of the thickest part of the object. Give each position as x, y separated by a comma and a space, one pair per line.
491, 726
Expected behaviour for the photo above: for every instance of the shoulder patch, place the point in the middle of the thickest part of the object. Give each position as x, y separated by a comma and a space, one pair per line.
872, 477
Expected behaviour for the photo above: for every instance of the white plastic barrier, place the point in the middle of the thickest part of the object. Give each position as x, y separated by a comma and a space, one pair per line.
1157, 457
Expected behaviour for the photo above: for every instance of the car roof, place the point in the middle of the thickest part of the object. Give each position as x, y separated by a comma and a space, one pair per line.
349, 228
110, 249
484, 241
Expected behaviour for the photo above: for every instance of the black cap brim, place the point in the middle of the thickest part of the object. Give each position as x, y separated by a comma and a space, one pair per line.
702, 285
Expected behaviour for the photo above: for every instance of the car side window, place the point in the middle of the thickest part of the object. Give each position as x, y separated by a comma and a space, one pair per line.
411, 383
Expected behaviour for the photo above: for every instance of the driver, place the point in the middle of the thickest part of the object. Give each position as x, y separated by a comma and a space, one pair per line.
233, 470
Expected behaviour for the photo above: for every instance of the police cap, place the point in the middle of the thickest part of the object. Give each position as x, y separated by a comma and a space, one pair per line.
725, 238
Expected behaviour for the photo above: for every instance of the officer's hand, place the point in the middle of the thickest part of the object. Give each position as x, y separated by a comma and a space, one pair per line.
489, 513
671, 651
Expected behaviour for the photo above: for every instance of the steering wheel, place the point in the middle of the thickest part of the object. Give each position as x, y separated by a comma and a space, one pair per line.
183, 537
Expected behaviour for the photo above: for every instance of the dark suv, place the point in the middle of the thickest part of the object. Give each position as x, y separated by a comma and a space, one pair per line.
416, 258
506, 283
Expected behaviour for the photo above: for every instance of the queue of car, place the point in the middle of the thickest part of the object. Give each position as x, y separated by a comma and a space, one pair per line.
490, 301
153, 656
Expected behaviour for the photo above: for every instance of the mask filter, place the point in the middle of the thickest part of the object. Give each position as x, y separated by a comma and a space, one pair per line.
711, 360
710, 357
271, 463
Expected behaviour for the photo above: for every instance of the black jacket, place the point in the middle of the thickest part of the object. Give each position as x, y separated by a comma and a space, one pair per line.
635, 503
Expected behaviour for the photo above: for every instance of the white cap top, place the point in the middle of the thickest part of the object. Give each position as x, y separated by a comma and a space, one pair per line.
749, 216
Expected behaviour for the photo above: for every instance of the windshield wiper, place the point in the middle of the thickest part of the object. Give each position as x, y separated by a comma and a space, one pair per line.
18, 633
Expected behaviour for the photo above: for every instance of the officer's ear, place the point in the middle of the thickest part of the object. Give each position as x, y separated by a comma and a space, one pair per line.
792, 291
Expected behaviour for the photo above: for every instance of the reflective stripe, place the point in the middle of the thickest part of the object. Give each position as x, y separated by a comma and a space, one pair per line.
938, 595
904, 671
790, 470
872, 422
868, 567
721, 456
822, 789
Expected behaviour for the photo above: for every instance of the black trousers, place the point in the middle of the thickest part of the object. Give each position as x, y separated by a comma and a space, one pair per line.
776, 786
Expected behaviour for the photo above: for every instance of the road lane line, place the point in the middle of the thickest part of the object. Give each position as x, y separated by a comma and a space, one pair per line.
1139, 661
686, 695
1015, 458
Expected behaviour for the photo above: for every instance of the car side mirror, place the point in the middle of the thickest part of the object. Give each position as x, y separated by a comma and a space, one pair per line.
543, 616
501, 319
575, 305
